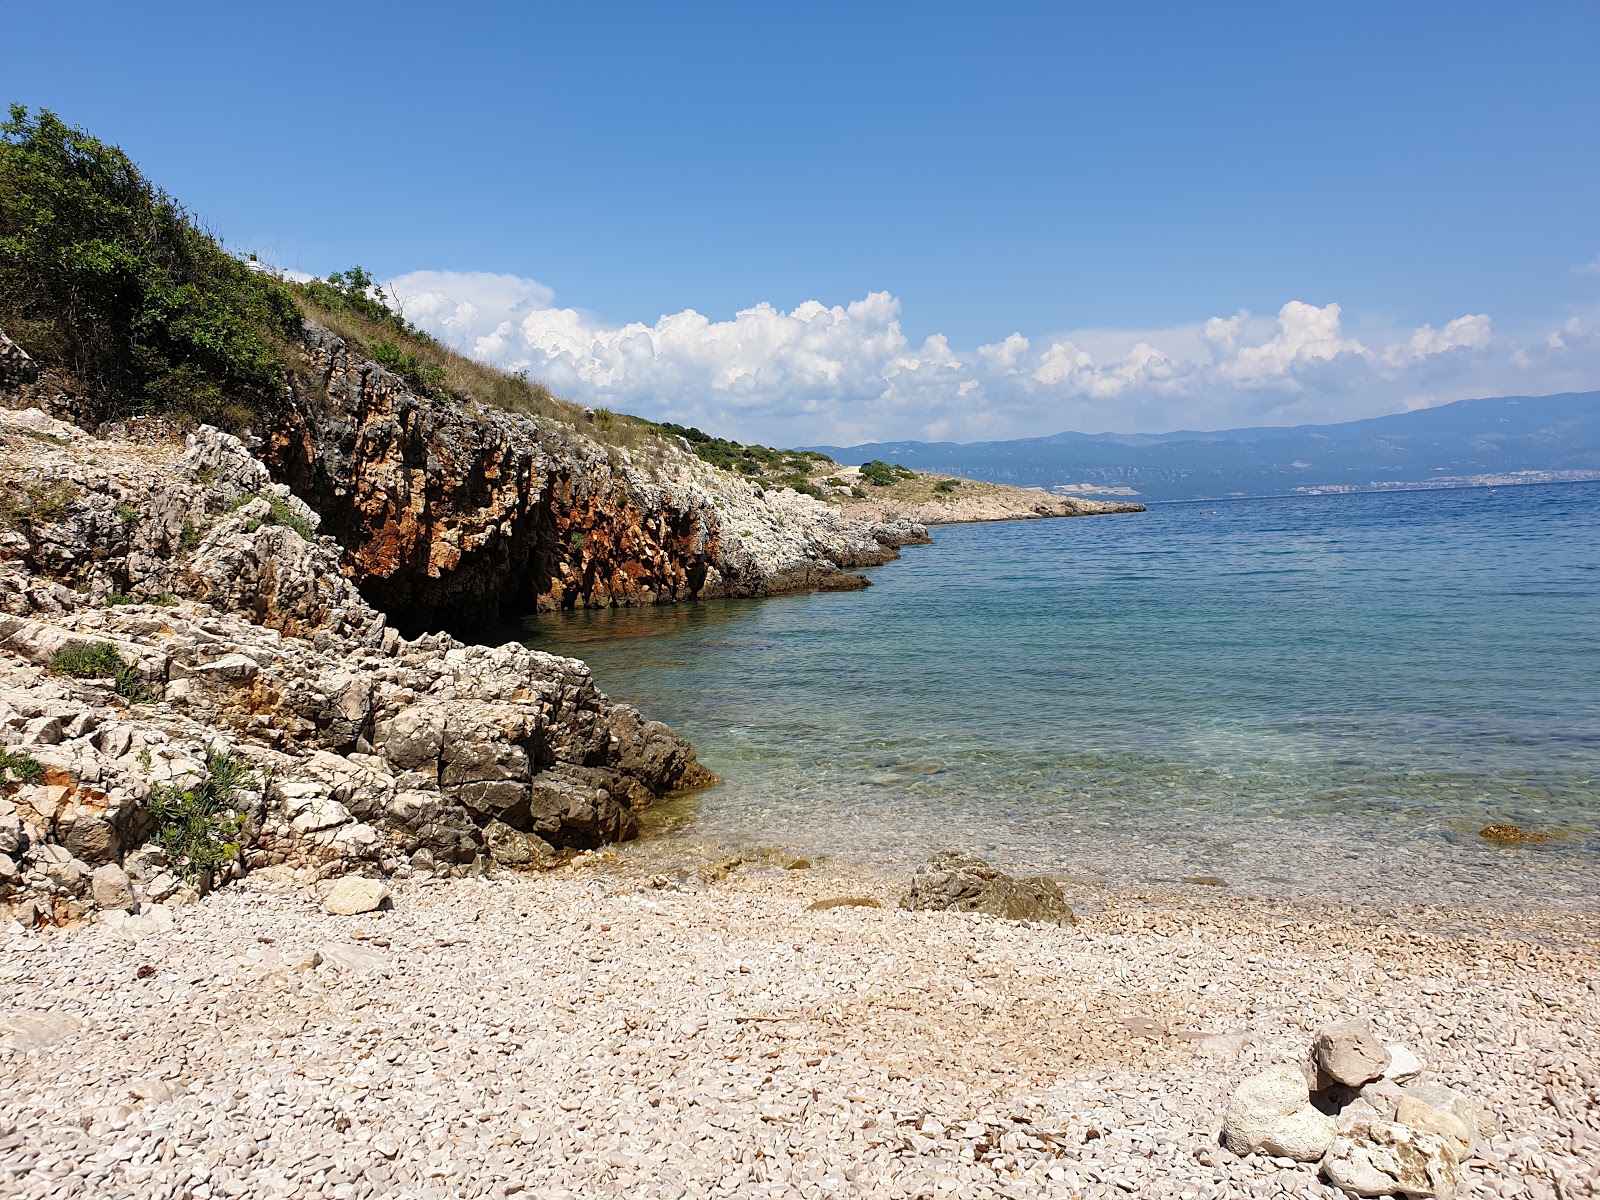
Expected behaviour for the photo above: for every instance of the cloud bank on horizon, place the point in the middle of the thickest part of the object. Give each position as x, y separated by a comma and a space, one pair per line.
844, 374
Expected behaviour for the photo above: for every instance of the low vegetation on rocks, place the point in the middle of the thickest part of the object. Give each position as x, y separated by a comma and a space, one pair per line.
197, 825
100, 660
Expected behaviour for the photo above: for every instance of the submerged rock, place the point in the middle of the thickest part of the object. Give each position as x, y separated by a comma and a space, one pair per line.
958, 883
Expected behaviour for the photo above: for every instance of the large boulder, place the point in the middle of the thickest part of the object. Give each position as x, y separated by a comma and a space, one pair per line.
1271, 1113
958, 883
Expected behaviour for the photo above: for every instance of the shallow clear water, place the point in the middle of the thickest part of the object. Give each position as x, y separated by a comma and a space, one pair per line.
1308, 695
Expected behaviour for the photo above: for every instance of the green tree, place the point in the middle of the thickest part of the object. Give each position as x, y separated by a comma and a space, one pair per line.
106, 276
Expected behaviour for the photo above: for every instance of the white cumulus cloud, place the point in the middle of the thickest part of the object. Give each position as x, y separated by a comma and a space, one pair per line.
840, 373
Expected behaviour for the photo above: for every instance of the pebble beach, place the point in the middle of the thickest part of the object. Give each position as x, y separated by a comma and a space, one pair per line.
610, 1029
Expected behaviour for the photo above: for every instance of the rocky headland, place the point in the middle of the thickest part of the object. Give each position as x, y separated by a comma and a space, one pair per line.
175, 635
899, 495
455, 516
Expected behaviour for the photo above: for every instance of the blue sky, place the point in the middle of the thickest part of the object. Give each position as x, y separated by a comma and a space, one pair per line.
825, 222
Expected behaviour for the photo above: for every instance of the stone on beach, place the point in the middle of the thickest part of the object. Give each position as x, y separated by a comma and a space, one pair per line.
1272, 1113
1382, 1158
352, 894
960, 883
1348, 1053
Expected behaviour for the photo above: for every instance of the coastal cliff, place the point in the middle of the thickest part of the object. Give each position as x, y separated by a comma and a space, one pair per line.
177, 643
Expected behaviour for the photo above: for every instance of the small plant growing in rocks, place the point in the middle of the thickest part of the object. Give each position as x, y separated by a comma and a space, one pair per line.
281, 514
23, 768
39, 504
100, 660
947, 485
197, 825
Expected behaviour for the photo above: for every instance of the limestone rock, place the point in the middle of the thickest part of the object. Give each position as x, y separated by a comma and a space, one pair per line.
1416, 1113
1458, 1105
959, 883
1348, 1053
512, 848
1380, 1158
1272, 1113
359, 747
1382, 1096
1404, 1064
352, 894
111, 888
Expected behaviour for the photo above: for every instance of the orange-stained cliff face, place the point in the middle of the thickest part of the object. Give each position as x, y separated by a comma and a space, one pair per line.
452, 518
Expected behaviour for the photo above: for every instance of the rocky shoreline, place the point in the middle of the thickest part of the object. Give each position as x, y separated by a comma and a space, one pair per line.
976, 502
455, 517
623, 1026
172, 627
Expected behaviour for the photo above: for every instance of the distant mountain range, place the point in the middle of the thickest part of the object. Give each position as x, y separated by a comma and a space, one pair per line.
1509, 439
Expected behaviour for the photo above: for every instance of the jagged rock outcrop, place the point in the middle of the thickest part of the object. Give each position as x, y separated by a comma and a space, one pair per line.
223, 624
453, 517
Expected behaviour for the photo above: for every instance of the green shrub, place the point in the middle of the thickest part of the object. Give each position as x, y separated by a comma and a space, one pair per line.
947, 485
127, 514
282, 513
197, 826
100, 660
882, 474
24, 768
38, 503
190, 536
858, 492
105, 275
833, 481
162, 599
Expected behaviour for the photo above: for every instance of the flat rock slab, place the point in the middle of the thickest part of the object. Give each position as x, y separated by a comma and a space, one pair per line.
351, 895
1348, 1053
36, 1030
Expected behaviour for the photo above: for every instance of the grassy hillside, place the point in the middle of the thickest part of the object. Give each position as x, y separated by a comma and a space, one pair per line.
110, 282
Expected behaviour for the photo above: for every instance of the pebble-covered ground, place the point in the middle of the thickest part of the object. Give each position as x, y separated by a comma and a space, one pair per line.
603, 1031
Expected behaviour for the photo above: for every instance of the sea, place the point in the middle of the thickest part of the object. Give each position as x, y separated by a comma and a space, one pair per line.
1310, 696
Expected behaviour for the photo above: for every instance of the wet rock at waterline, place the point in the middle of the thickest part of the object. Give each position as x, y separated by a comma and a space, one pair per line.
959, 883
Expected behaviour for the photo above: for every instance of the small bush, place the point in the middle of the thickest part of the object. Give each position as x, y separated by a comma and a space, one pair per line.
190, 536
833, 481
23, 767
947, 485
100, 660
858, 492
163, 599
38, 504
197, 826
127, 514
882, 474
575, 539
282, 513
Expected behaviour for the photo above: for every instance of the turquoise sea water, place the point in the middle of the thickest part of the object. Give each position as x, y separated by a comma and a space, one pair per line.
1307, 695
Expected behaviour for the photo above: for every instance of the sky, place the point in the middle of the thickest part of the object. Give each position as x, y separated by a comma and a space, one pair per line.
838, 222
